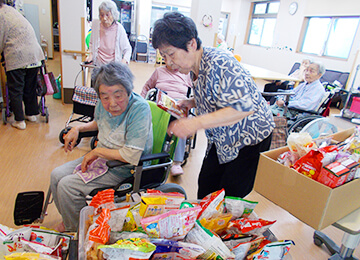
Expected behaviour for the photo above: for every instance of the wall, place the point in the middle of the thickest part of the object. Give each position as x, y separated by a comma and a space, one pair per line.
287, 31
70, 32
45, 21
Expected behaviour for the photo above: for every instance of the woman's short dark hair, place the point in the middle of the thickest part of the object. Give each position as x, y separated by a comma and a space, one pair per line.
111, 74
2, 2
175, 29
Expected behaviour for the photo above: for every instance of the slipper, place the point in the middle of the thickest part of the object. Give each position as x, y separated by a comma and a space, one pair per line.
176, 170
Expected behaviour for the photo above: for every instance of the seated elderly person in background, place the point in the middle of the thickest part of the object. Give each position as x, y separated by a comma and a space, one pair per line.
275, 86
308, 94
176, 85
123, 119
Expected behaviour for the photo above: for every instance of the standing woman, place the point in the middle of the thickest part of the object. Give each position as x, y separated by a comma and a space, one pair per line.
237, 121
23, 56
109, 41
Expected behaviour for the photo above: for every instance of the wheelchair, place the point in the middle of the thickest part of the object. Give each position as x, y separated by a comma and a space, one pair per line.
314, 122
152, 175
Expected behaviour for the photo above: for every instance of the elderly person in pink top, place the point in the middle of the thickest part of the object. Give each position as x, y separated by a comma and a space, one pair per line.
176, 85
109, 41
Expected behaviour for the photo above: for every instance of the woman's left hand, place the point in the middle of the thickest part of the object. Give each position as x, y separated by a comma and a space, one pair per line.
88, 159
183, 127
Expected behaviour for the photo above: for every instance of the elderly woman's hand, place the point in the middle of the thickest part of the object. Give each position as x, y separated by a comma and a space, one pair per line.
186, 103
183, 127
88, 159
70, 139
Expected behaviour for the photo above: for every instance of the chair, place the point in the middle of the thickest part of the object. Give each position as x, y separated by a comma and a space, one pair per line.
141, 48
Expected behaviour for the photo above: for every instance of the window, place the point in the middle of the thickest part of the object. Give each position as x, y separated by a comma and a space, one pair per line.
263, 20
330, 36
159, 10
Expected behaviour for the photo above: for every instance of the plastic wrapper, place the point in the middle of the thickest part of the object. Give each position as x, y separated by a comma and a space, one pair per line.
272, 251
117, 218
155, 202
212, 243
169, 105
216, 224
168, 249
241, 250
31, 256
300, 143
174, 224
231, 240
128, 249
132, 218
212, 204
238, 207
115, 236
249, 226
288, 158
103, 199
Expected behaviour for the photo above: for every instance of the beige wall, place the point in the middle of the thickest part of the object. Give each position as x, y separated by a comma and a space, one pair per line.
45, 21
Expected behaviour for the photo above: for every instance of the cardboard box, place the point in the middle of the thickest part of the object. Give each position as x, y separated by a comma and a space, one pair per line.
310, 201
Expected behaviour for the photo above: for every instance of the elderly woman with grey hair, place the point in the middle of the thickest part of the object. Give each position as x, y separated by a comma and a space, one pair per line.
109, 41
123, 119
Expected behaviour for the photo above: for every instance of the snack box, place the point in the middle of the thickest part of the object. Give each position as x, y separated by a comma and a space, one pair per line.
333, 175
310, 201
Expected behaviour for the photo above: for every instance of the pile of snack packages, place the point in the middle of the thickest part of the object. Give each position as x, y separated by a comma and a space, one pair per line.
32, 242
166, 226
323, 160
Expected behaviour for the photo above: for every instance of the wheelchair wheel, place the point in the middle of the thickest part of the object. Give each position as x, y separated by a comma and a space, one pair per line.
319, 127
298, 125
93, 142
63, 133
171, 187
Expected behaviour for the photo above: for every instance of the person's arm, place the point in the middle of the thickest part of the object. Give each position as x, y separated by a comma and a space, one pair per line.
108, 154
125, 46
150, 83
185, 127
71, 137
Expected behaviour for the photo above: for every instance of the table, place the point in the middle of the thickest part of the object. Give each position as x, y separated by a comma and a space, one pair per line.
265, 74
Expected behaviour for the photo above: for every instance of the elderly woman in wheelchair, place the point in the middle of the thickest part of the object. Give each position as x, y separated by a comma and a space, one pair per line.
123, 119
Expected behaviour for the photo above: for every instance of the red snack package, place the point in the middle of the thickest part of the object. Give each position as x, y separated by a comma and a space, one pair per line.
249, 226
103, 199
212, 204
310, 164
101, 232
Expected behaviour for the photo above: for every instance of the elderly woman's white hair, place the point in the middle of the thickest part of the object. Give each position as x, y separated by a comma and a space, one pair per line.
110, 6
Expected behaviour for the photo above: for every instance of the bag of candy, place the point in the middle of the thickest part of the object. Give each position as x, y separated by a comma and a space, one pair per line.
212, 204
300, 143
238, 207
169, 105
168, 249
249, 226
272, 251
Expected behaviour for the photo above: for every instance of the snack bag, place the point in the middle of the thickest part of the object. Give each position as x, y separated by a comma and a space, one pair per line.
243, 249
238, 207
300, 143
101, 231
31, 256
217, 224
212, 204
310, 165
169, 105
168, 249
132, 219
126, 249
232, 240
174, 224
103, 199
273, 251
249, 226
117, 218
156, 202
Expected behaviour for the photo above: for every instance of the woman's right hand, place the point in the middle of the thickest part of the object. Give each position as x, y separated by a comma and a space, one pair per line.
70, 139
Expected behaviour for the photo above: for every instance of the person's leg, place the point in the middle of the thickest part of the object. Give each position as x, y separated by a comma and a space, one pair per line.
16, 83
30, 96
72, 192
239, 174
178, 157
210, 175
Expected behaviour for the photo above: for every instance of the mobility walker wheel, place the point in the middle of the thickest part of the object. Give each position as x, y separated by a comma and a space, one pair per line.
93, 142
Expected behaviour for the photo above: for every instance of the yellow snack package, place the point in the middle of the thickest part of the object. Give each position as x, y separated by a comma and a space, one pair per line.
217, 224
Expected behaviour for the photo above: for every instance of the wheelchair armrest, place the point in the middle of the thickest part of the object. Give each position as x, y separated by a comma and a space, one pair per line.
144, 158
280, 93
313, 112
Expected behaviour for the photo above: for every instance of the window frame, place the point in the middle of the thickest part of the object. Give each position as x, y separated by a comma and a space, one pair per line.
266, 15
328, 34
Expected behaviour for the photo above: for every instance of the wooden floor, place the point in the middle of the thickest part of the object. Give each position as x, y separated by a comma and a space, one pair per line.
27, 158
